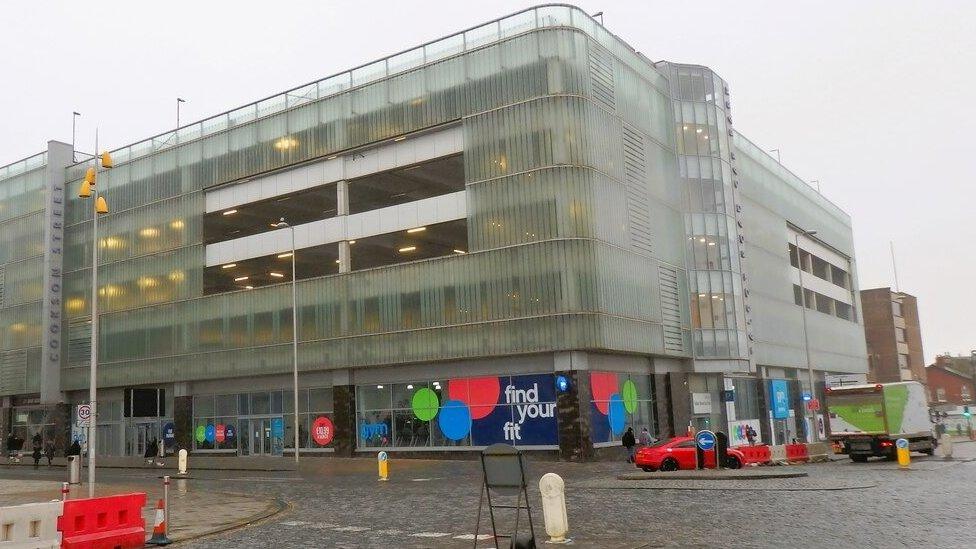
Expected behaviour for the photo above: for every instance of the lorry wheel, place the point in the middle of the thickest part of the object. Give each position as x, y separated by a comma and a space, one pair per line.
859, 459
928, 452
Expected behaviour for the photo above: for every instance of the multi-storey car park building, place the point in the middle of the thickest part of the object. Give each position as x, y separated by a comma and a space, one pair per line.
525, 232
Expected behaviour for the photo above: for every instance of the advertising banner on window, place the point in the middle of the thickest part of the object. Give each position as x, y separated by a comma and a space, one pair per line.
779, 397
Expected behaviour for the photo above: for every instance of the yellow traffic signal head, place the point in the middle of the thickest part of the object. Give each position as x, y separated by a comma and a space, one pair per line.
90, 176
86, 189
106, 160
101, 206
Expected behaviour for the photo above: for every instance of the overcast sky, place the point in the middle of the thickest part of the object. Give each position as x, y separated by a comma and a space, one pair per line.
874, 99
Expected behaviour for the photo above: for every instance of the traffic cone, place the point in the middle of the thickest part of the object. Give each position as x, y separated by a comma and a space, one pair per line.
159, 528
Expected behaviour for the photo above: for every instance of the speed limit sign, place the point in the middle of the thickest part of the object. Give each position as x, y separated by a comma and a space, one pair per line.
83, 416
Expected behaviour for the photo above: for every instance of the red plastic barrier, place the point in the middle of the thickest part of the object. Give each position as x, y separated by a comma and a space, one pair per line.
797, 452
109, 522
755, 454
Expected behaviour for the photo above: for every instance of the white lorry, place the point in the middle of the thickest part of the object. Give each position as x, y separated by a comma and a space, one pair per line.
866, 420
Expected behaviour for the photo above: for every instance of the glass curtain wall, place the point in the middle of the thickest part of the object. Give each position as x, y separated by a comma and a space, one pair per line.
21, 259
713, 251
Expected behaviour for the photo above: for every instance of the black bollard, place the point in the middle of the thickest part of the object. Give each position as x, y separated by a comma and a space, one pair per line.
721, 450
523, 540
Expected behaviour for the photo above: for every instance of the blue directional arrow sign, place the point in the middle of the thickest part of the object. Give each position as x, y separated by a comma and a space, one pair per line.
705, 440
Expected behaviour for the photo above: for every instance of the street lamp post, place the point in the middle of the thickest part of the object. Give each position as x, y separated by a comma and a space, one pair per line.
282, 224
814, 429
89, 189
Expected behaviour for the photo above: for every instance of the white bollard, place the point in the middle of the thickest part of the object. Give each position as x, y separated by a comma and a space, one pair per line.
553, 491
182, 462
946, 444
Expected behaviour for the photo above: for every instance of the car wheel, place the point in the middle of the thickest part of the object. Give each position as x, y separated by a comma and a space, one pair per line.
669, 465
733, 463
859, 459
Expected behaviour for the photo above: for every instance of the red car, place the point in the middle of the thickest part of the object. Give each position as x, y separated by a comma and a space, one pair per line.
679, 453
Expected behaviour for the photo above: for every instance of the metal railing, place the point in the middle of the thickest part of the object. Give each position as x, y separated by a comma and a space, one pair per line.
549, 15
24, 165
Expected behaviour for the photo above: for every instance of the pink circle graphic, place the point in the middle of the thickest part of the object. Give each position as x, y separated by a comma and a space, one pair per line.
479, 393
602, 385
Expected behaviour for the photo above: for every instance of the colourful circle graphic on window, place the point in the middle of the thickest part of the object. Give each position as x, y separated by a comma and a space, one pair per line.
617, 415
323, 431
630, 396
210, 433
479, 393
455, 420
424, 404
201, 433
602, 385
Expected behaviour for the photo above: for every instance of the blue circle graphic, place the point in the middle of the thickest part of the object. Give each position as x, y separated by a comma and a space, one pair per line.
705, 440
211, 433
454, 419
617, 414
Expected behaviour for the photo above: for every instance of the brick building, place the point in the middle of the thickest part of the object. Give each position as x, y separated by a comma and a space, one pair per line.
950, 381
894, 338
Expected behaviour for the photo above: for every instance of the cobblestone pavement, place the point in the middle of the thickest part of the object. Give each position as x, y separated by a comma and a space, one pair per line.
339, 503
193, 512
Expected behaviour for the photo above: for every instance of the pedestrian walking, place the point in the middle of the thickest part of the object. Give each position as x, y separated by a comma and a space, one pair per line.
49, 452
645, 437
36, 449
629, 443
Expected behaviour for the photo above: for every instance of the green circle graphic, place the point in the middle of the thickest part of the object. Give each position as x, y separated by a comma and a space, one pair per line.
630, 396
424, 404
201, 433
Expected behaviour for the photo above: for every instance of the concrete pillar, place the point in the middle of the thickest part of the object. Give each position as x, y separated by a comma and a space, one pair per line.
573, 415
680, 400
663, 415
344, 407
183, 422
5, 411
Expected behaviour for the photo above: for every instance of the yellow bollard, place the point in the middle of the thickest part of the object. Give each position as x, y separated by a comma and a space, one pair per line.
904, 457
382, 461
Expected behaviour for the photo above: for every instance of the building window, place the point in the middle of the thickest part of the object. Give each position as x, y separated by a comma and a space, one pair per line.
940, 394
900, 335
844, 310
794, 260
797, 295
903, 361
964, 393
896, 308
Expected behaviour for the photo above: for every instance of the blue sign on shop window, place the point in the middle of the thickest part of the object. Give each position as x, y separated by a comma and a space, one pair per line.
277, 427
779, 398
169, 435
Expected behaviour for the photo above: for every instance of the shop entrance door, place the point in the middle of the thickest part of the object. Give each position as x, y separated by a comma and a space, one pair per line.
265, 436
140, 434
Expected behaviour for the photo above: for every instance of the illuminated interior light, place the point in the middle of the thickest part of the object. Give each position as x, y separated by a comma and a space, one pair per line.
699, 130
333, 157
379, 386
338, 261
409, 387
711, 243
408, 249
241, 278
248, 287
149, 232
284, 255
701, 240
460, 252
351, 242
177, 224
417, 230
277, 275
230, 212
401, 138
229, 266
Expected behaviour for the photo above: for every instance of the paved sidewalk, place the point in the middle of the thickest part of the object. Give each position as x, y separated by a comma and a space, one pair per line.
193, 512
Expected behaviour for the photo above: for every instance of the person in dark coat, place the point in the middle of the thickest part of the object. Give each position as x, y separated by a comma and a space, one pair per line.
630, 443
49, 452
36, 448
74, 449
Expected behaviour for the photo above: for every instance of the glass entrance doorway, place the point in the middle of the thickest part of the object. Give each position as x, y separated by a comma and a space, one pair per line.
139, 435
262, 436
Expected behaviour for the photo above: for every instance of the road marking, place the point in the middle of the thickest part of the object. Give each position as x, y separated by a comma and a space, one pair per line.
322, 525
471, 536
425, 479
352, 529
389, 532
294, 523
430, 534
